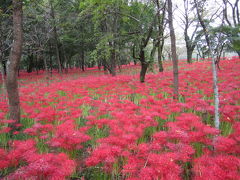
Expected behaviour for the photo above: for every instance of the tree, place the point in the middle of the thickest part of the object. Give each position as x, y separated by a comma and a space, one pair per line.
200, 10
55, 36
5, 32
147, 32
174, 51
232, 24
14, 60
191, 39
142, 54
107, 18
161, 6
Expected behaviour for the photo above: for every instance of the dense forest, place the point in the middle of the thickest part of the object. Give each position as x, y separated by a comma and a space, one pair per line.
95, 89
62, 34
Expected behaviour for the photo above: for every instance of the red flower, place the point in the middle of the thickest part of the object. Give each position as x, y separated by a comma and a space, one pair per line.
45, 166
219, 167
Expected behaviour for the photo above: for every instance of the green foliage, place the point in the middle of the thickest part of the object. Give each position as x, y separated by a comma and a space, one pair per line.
103, 50
231, 35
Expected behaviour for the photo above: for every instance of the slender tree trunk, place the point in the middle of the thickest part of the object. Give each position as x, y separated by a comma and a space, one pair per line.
13, 63
144, 67
216, 96
3, 80
173, 50
30, 62
82, 61
160, 50
37, 63
113, 59
46, 70
134, 55
105, 69
214, 69
238, 52
65, 61
144, 64
45, 65
135, 61
55, 35
99, 63
4, 67
2, 57
152, 57
160, 39
51, 64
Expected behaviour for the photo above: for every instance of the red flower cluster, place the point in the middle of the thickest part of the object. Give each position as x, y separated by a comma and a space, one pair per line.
216, 167
38, 166
67, 137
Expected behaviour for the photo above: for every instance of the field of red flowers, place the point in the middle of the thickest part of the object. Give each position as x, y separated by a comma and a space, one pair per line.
94, 126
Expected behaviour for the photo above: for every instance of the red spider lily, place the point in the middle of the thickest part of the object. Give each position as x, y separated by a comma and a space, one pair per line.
39, 129
45, 166
67, 137
219, 167
153, 166
4, 162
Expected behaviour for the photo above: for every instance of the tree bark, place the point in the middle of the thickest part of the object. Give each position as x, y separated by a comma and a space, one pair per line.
55, 35
144, 67
238, 52
13, 63
214, 69
3, 80
160, 39
152, 56
82, 61
160, 59
144, 64
30, 62
174, 52
189, 55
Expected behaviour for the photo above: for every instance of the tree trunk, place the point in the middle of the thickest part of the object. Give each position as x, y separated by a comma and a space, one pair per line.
135, 62
144, 66
4, 67
160, 50
143, 71
238, 52
45, 65
46, 70
105, 66
13, 64
3, 81
65, 61
113, 59
152, 57
214, 69
55, 38
189, 55
30, 63
160, 39
82, 61
99, 64
134, 55
173, 50
36, 62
